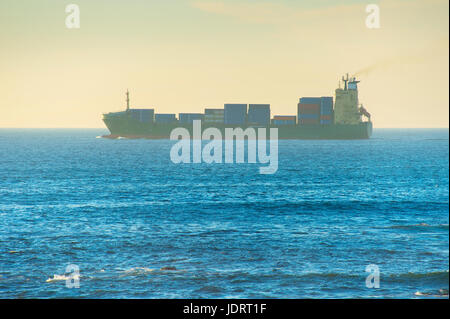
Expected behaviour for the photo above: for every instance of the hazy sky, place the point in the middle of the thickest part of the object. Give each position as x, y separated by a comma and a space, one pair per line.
183, 56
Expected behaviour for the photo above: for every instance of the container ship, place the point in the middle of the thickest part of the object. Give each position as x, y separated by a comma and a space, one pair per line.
317, 118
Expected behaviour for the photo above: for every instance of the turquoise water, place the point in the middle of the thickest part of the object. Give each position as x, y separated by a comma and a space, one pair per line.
121, 211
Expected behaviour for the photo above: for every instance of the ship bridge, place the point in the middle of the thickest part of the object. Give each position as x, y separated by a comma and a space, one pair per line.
346, 108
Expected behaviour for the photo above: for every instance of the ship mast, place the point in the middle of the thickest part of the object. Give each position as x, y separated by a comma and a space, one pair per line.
128, 100
345, 82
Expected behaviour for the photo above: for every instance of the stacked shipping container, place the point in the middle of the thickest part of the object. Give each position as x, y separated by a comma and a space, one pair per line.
284, 120
143, 115
311, 111
235, 114
214, 116
326, 110
188, 118
165, 118
259, 114
315, 110
310, 100
308, 111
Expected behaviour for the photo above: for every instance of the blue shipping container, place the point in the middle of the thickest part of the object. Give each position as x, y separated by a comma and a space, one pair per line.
326, 105
187, 118
143, 115
259, 114
235, 114
214, 111
283, 122
310, 100
325, 122
165, 118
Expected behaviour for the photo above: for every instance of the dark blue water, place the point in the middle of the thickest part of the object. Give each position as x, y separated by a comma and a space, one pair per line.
121, 211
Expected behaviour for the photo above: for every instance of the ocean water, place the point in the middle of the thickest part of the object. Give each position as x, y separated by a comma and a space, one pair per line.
138, 226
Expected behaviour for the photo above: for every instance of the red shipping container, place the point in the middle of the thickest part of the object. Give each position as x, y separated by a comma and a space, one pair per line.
308, 108
285, 117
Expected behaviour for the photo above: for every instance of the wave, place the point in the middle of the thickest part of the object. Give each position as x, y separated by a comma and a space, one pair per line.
433, 274
137, 271
441, 293
209, 289
438, 279
418, 226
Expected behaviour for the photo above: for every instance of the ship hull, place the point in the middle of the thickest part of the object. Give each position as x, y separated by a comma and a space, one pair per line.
129, 128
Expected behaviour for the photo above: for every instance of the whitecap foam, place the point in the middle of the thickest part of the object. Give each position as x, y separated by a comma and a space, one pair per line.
62, 278
57, 278
137, 271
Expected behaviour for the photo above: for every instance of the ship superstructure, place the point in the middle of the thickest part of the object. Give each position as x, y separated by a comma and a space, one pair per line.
347, 109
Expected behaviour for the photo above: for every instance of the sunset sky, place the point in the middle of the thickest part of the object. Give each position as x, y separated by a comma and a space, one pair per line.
182, 56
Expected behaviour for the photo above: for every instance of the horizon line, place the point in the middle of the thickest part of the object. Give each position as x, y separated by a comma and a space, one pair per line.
96, 128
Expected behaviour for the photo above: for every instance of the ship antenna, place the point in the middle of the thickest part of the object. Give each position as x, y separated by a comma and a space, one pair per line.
128, 100
345, 82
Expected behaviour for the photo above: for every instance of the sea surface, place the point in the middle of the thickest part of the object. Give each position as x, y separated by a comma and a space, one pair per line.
136, 225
